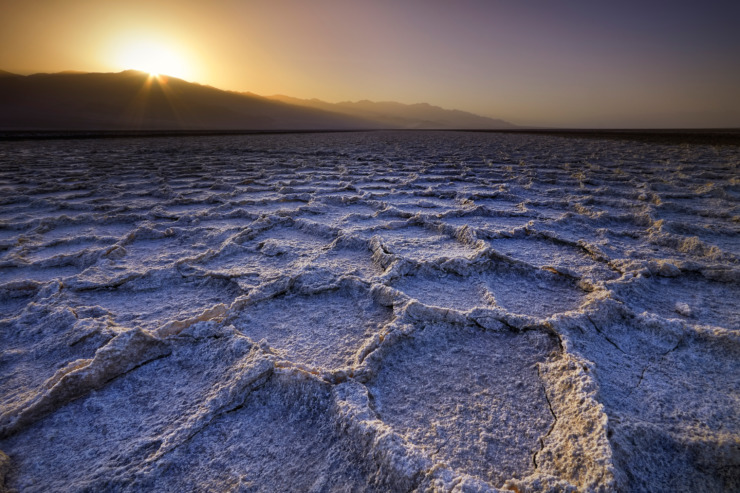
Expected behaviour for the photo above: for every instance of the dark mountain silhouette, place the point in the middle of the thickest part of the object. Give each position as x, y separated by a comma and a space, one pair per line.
398, 115
132, 100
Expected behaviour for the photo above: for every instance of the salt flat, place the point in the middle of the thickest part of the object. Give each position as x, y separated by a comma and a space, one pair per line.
383, 311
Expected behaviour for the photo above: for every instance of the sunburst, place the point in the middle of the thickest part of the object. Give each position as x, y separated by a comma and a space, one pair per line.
154, 58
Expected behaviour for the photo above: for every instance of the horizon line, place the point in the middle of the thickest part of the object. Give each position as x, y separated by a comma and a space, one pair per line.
519, 127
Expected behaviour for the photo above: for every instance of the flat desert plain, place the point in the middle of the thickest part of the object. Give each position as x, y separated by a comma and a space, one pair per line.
378, 311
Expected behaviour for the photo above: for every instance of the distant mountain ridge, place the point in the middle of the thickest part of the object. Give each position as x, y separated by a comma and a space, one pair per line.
132, 100
399, 115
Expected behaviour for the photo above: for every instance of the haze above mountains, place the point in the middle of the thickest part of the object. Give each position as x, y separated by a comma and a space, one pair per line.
133, 100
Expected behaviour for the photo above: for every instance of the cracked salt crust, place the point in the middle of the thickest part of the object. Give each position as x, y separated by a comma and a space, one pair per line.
368, 312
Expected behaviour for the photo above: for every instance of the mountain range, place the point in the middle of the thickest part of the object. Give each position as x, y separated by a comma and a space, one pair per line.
133, 100
398, 115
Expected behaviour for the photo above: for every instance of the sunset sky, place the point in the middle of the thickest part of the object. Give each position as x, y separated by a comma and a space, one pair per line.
541, 63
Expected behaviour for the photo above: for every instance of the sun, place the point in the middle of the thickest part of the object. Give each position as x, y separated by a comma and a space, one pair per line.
154, 58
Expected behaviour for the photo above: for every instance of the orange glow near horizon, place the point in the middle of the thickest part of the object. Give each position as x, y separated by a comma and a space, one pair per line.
590, 65
153, 57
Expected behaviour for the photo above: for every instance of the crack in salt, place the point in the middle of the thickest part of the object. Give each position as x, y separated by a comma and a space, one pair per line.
554, 417
604, 335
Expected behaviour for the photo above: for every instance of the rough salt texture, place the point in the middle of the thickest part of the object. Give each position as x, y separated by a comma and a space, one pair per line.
369, 312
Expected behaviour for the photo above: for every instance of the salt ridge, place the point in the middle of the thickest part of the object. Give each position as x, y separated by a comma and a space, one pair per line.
369, 312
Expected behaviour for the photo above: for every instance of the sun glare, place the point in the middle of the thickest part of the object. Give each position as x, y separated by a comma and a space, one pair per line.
154, 58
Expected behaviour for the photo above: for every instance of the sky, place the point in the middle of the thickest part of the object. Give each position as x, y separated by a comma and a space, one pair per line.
578, 64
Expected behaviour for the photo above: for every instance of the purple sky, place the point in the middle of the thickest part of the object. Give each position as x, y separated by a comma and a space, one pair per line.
543, 63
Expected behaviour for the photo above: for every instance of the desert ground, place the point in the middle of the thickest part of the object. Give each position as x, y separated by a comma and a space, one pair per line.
369, 311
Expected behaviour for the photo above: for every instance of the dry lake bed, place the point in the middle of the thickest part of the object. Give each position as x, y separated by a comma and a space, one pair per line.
383, 311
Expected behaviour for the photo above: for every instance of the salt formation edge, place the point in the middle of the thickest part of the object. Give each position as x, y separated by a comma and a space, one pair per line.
369, 312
